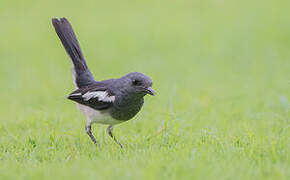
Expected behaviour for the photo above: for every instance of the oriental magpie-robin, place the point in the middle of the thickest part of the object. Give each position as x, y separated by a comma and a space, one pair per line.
110, 101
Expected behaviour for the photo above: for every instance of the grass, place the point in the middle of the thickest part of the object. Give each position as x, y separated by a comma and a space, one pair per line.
220, 68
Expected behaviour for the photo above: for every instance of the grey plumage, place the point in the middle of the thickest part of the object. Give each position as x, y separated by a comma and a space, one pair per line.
129, 97
68, 38
110, 101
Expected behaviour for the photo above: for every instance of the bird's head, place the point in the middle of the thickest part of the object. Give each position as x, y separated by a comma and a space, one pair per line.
138, 83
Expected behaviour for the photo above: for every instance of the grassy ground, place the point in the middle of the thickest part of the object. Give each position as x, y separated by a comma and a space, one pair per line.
221, 70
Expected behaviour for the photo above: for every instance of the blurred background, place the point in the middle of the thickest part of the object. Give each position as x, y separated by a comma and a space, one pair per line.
220, 69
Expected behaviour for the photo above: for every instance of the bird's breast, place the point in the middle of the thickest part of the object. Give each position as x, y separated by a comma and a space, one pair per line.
126, 107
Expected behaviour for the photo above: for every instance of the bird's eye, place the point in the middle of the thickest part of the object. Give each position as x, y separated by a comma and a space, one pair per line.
136, 82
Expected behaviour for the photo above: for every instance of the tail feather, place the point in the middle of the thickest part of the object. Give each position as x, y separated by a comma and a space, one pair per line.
64, 30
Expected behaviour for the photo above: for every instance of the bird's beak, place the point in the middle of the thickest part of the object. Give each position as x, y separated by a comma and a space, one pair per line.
150, 91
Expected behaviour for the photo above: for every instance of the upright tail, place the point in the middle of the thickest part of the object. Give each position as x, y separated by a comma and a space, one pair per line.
81, 73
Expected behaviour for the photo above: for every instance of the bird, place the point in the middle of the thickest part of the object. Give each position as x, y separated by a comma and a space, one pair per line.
109, 102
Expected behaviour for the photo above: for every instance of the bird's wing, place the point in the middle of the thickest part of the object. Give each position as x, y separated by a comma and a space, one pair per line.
96, 96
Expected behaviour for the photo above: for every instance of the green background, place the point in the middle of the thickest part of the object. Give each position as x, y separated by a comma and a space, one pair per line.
221, 70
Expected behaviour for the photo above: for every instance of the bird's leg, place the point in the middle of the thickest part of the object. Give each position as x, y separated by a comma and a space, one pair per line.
110, 132
89, 132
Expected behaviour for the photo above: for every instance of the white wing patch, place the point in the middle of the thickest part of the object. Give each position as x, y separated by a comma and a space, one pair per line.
76, 94
101, 95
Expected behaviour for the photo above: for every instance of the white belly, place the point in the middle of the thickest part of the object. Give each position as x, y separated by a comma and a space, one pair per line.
95, 116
